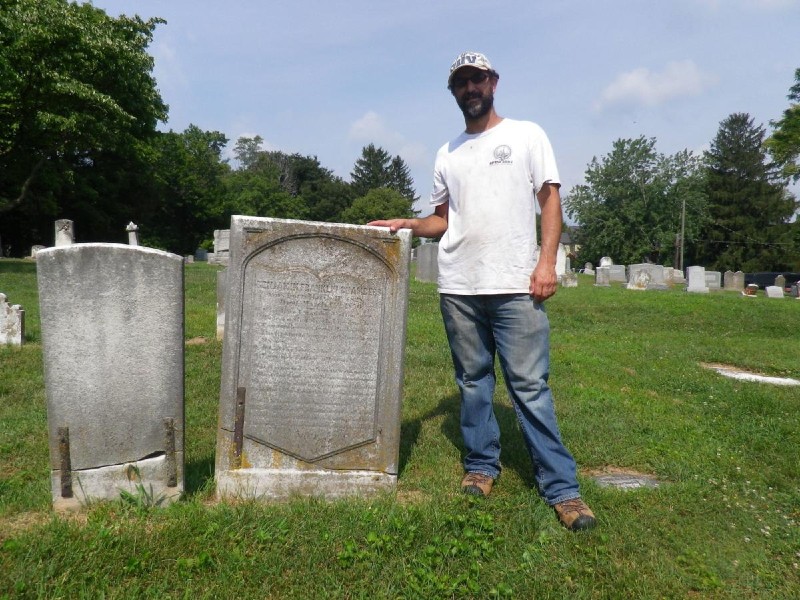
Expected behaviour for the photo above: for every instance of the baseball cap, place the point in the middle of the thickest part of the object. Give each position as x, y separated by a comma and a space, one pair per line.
469, 59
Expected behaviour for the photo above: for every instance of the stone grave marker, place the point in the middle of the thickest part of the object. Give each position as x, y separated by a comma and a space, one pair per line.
606, 261
780, 281
133, 234
427, 263
751, 291
774, 291
738, 281
639, 277
112, 338
727, 280
312, 365
35, 249
561, 260
12, 323
602, 278
65, 232
588, 269
222, 246
569, 280
697, 280
713, 280
616, 273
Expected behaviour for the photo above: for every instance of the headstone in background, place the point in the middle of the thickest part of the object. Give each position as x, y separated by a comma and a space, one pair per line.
133, 234
697, 280
201, 255
616, 274
780, 281
427, 263
751, 291
222, 246
561, 260
12, 323
639, 277
606, 261
774, 291
713, 280
727, 280
222, 289
601, 278
678, 277
588, 269
794, 291
35, 250
65, 233
312, 365
112, 338
569, 280
738, 281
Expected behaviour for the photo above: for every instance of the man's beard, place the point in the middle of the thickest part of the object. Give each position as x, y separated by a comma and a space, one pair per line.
475, 110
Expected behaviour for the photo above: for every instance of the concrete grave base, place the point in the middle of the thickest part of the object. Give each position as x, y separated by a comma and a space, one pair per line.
282, 484
106, 483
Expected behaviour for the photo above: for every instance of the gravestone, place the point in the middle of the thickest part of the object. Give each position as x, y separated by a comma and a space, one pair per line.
12, 323
222, 289
774, 291
601, 278
780, 281
312, 365
561, 260
697, 280
133, 234
606, 261
738, 281
427, 263
569, 280
751, 291
222, 247
35, 249
588, 269
727, 280
112, 338
616, 274
713, 280
65, 232
639, 278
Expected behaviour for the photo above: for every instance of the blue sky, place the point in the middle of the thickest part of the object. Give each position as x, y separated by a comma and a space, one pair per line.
327, 77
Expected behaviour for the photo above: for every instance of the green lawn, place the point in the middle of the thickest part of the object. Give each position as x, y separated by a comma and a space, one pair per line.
630, 393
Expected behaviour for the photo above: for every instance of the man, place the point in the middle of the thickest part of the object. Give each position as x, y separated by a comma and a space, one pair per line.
492, 285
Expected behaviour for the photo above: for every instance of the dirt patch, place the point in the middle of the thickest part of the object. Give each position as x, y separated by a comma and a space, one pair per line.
196, 341
14, 524
611, 470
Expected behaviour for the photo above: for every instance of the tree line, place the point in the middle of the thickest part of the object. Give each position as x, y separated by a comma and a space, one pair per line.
79, 110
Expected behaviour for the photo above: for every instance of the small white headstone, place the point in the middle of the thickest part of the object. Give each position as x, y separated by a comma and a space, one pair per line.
606, 261
133, 234
697, 280
65, 232
773, 291
12, 323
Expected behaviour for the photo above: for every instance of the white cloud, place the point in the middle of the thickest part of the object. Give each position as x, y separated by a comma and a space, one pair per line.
371, 128
643, 87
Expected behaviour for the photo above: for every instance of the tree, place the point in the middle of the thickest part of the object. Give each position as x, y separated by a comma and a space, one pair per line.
76, 98
749, 205
376, 168
784, 144
377, 204
630, 206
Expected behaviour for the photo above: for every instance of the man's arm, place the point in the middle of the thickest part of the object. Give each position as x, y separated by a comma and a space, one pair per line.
543, 279
431, 226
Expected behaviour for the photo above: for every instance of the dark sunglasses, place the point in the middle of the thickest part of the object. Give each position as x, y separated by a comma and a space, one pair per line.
476, 78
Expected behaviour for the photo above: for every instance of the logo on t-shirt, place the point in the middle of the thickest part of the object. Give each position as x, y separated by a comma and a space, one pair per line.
502, 155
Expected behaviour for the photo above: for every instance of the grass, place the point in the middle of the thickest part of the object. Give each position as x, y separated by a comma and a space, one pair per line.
630, 393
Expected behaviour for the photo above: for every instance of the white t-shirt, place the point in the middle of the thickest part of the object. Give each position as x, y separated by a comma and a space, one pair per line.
490, 180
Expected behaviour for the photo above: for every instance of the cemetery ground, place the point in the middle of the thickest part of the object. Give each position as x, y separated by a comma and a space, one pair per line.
631, 393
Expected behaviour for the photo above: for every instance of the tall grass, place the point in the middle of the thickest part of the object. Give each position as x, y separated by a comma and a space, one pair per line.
630, 393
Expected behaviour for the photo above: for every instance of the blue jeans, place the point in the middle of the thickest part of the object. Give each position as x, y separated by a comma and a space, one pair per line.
515, 328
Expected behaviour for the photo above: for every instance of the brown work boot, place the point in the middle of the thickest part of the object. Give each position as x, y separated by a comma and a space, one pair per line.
575, 515
477, 484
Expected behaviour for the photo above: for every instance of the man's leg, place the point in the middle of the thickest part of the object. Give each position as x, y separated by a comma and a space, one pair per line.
522, 335
472, 348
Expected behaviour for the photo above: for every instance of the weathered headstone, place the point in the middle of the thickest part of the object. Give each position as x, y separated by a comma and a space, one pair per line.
569, 279
606, 261
65, 233
12, 323
201, 255
697, 280
780, 281
601, 278
751, 291
639, 278
312, 363
222, 247
588, 269
738, 280
222, 290
112, 337
773, 291
35, 249
133, 234
427, 263
616, 274
713, 280
727, 280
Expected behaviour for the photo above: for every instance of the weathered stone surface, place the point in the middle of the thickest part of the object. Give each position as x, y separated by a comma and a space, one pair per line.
427, 263
12, 323
602, 277
112, 334
312, 359
65, 232
222, 289
697, 280
774, 291
569, 280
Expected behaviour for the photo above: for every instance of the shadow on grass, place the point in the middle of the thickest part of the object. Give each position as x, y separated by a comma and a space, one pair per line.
199, 475
514, 452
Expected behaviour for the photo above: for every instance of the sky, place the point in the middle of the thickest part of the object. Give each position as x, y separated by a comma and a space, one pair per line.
325, 78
